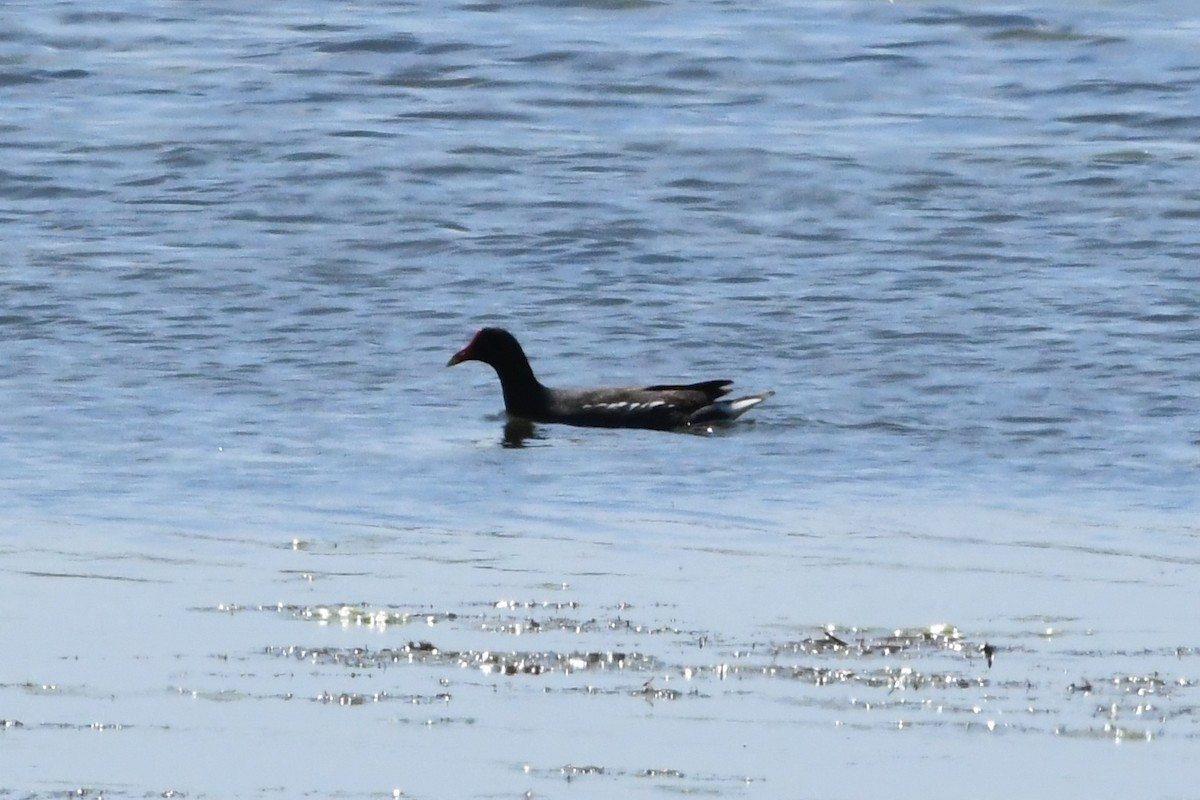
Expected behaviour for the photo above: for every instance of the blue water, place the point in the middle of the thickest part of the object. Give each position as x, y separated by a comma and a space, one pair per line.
959, 243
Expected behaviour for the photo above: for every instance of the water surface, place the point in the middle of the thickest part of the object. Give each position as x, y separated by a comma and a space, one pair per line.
258, 541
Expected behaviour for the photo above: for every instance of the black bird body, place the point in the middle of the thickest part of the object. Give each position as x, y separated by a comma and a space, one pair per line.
661, 407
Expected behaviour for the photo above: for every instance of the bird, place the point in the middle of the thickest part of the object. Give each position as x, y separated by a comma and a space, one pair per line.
665, 407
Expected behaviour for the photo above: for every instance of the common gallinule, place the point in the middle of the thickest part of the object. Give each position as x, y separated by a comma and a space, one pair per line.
665, 407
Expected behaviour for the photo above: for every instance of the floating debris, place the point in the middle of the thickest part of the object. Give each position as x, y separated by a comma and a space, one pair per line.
649, 692
989, 653
487, 661
833, 640
900, 678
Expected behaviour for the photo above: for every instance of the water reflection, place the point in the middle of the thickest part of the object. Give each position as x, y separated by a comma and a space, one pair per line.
517, 431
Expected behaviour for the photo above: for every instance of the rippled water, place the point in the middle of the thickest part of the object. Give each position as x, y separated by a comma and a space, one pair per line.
959, 242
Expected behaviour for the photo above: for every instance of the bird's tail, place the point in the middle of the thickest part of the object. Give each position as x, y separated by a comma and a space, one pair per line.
727, 410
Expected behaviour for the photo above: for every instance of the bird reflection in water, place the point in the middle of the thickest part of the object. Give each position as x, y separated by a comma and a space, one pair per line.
517, 431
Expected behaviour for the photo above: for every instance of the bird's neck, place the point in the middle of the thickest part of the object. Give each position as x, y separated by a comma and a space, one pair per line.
524, 395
